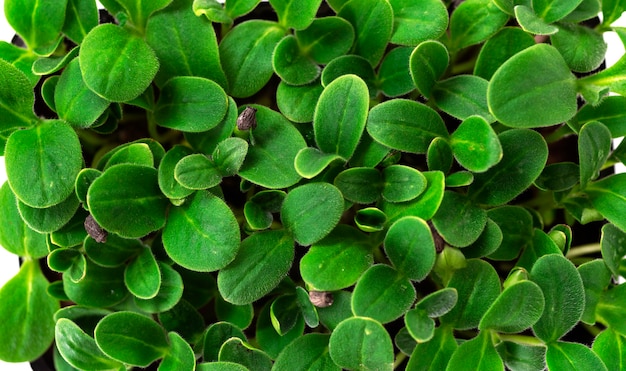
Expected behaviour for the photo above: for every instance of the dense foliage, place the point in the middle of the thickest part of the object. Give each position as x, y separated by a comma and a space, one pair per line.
354, 184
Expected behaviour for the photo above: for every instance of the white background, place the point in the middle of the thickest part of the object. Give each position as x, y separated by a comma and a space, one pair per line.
9, 262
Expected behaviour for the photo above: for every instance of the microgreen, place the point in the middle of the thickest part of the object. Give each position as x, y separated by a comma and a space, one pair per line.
339, 184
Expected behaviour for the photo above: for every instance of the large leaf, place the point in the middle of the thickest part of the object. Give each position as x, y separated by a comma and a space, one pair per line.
16, 100
126, 199
474, 21
308, 352
608, 196
339, 122
428, 62
139, 11
15, 235
572, 356
39, 23
28, 328
476, 354
201, 240
418, 21
554, 10
582, 47
361, 343
295, 14
459, 221
535, 77
517, 308
42, 163
79, 349
116, 64
263, 260
410, 247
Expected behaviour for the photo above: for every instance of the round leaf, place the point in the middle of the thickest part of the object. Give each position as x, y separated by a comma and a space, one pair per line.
298, 103
402, 183
475, 21
459, 221
170, 292
116, 64
15, 235
307, 352
326, 38
359, 184
419, 325
142, 276
535, 77
518, 307
370, 219
235, 350
418, 21
428, 63
582, 47
229, 155
271, 341
180, 355
100, 287
475, 144
202, 234
291, 64
263, 260
131, 338
393, 74
126, 200
572, 356
16, 98
42, 163
191, 104
294, 13
382, 293
410, 247
439, 302
463, 96
361, 343
311, 211
39, 24
500, 47
477, 354
49, 219
166, 176
197, 172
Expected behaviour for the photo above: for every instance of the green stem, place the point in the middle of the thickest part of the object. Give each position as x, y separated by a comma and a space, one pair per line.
400, 357
584, 250
521, 339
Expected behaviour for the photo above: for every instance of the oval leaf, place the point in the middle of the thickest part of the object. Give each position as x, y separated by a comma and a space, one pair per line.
410, 247
361, 343
517, 308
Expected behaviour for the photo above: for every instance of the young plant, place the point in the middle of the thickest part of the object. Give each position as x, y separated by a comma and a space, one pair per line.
354, 184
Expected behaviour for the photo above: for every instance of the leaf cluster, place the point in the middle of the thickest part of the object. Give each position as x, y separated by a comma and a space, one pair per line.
348, 184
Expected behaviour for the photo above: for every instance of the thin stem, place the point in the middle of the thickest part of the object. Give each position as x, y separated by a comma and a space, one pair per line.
584, 250
521, 339
400, 357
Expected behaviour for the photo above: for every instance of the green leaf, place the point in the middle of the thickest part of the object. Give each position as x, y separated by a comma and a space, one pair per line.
435, 353
475, 145
213, 10
608, 196
16, 101
439, 155
263, 260
382, 293
410, 247
405, 125
42, 163
199, 240
246, 55
553, 10
310, 162
38, 23
608, 311
331, 316
180, 355
229, 155
170, 292
142, 275
499, 48
206, 142
79, 349
311, 211
112, 253
270, 161
236, 351
542, 245
516, 225
463, 96
197, 172
439, 302
476, 354
135, 153
50, 219
361, 343
268, 339
572, 356
309, 352
298, 103
360, 184
185, 45
478, 286
613, 243
15, 235
425, 205
28, 327
216, 335
291, 64
307, 309
166, 175
337, 261
339, 123
402, 183
415, 22
517, 308
373, 24
612, 10
524, 152
394, 76
514, 92
594, 148
284, 313
80, 18
521, 356
131, 338
220, 366
326, 38
238, 315
419, 325
126, 200
100, 287
608, 111
459, 221
259, 209
19, 59
370, 219
559, 176
582, 47
487, 243
609, 346
190, 104
531, 23
74, 102
116, 64
350, 65
563, 292
139, 11
596, 278
295, 14
475, 21
428, 63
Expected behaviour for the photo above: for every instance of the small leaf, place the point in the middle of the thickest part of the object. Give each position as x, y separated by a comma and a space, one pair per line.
180, 355
435, 353
419, 325
295, 14
239, 315
521, 356
531, 23
112, 253
291, 64
516, 226
259, 209
517, 308
350, 65
405, 125
79, 349
326, 38
475, 21
192, 104
463, 96
170, 292
609, 346
563, 292
39, 24
307, 352
126, 200
487, 243
311, 211
307, 307
415, 22
50, 219
394, 76
428, 63
298, 103
572, 356
142, 276
524, 152
269, 340
229, 155
425, 205
284, 313
135, 153
28, 328
140, 11
116, 64
263, 260
475, 145
499, 48
382, 293
608, 196
100, 287
236, 351
402, 183
370, 219
410, 247
216, 335
551, 86
553, 10
361, 343
613, 243
310, 162
439, 302
166, 176
246, 55
131, 338
559, 176
582, 47
607, 112
439, 155
596, 278
594, 148
459, 221
359, 184
476, 354
197, 172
